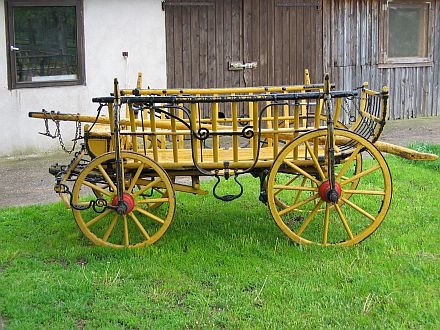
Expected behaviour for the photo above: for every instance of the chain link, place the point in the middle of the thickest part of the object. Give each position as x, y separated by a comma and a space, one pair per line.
57, 133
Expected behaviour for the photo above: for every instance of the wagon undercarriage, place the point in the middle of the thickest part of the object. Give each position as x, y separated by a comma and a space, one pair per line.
324, 183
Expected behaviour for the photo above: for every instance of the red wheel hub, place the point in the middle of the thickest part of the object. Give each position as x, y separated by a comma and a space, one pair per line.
324, 190
128, 200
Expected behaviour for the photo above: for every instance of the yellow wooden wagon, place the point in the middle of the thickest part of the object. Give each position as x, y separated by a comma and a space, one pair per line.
324, 183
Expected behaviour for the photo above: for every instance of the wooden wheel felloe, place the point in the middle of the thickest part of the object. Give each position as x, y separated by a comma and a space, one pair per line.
147, 191
299, 180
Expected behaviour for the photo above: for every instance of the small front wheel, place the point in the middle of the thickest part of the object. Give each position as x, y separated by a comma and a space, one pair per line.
148, 198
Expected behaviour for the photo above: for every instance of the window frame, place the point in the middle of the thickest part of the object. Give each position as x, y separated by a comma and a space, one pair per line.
10, 40
416, 61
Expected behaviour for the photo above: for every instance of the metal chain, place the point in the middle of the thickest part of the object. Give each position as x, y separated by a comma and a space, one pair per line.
57, 133
347, 108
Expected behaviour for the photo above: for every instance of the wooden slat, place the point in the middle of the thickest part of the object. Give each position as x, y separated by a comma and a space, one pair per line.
262, 78
300, 40
211, 51
194, 38
285, 49
186, 47
219, 44
277, 60
292, 39
203, 46
227, 42
170, 51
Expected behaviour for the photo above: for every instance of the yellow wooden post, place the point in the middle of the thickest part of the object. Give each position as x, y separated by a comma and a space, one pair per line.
215, 139
133, 128
195, 141
255, 140
276, 112
173, 136
296, 125
304, 107
234, 111
181, 138
153, 135
139, 81
163, 138
269, 123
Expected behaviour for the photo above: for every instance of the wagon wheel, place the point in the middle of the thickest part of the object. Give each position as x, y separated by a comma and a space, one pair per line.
306, 215
141, 182
148, 192
354, 168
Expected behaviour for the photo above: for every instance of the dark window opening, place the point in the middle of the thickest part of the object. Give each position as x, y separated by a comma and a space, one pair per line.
46, 43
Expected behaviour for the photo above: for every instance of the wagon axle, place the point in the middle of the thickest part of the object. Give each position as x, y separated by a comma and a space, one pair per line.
328, 194
124, 206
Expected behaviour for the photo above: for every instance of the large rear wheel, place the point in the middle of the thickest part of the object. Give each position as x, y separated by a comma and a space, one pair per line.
298, 186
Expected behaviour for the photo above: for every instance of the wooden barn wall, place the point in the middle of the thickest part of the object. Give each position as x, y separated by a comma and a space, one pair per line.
351, 55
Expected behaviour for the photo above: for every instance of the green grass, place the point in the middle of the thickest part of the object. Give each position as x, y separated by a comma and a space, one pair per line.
227, 265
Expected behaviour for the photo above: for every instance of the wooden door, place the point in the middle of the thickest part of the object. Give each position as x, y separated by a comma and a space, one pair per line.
204, 37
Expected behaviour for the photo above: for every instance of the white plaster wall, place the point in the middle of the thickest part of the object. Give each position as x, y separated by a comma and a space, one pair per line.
110, 27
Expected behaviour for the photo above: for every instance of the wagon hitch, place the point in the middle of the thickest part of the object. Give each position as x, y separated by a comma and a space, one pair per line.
229, 197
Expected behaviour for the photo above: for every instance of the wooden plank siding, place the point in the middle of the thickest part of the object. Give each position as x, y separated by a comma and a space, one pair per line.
351, 55
284, 37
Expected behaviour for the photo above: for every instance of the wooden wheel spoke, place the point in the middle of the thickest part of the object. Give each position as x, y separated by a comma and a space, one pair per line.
296, 205
344, 221
359, 209
300, 170
309, 218
126, 238
135, 178
315, 161
290, 181
106, 177
348, 162
148, 186
110, 228
98, 188
298, 194
150, 215
364, 192
302, 188
152, 200
139, 225
97, 218
360, 175
326, 223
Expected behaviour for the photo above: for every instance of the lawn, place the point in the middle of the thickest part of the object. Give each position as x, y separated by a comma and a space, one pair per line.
227, 265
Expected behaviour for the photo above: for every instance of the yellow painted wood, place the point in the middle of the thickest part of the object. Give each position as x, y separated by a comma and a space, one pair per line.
100, 228
196, 126
357, 218
153, 137
215, 139
234, 110
404, 152
174, 137
133, 128
226, 91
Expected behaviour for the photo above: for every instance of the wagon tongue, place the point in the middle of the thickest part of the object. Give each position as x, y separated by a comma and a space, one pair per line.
124, 206
330, 195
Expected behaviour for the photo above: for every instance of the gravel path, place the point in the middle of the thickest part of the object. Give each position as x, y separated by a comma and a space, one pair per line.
25, 180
